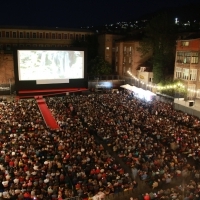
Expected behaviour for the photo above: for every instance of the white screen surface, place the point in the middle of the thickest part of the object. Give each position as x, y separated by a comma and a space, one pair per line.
50, 64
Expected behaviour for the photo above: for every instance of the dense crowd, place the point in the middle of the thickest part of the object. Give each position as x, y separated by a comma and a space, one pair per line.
158, 143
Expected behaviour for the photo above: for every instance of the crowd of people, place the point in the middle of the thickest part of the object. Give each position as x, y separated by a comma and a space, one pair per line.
160, 145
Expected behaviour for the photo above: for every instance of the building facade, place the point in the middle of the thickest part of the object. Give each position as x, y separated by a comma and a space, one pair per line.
107, 46
187, 66
128, 58
32, 37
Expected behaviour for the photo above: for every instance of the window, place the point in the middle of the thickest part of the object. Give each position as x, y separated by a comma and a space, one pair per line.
83, 37
14, 35
21, 35
41, 36
59, 36
27, 35
129, 60
187, 58
117, 48
7, 34
8, 47
180, 57
34, 35
178, 72
53, 36
76, 36
65, 36
130, 50
0, 34
71, 36
185, 43
47, 35
125, 50
185, 74
193, 74
124, 60
142, 69
183, 57
116, 59
195, 58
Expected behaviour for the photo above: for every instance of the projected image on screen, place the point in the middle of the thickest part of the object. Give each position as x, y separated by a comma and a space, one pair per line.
50, 64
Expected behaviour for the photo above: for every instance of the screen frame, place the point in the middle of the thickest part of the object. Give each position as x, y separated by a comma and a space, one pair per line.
32, 85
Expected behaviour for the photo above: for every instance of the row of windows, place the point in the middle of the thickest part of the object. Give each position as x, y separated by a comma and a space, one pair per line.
126, 49
9, 47
43, 35
125, 59
186, 74
187, 57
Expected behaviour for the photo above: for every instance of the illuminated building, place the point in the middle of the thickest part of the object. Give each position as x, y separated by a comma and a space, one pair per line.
187, 64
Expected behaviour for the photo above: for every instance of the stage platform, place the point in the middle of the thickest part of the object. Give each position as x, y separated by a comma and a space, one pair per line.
48, 92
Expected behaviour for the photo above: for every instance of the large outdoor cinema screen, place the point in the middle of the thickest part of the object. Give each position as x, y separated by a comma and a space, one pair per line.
50, 65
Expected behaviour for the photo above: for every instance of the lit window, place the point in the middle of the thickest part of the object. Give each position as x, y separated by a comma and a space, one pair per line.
124, 59
185, 43
130, 50
183, 57
142, 69
193, 74
195, 58
178, 72
185, 73
107, 48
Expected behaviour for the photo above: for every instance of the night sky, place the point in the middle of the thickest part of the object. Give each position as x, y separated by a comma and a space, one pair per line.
78, 13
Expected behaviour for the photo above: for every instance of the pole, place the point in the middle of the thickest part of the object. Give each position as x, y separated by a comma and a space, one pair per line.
10, 85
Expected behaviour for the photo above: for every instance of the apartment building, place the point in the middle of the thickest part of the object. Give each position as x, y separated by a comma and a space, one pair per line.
107, 46
128, 58
187, 65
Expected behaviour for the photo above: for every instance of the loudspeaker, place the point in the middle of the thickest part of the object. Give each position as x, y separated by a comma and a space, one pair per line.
191, 103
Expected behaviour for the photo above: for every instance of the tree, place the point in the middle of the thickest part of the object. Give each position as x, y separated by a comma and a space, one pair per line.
159, 38
98, 66
90, 43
